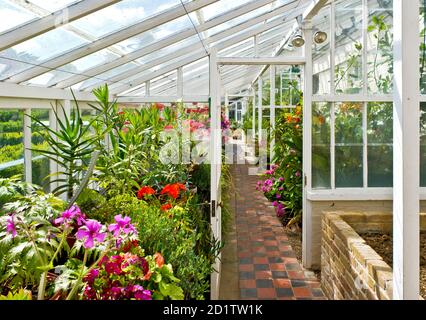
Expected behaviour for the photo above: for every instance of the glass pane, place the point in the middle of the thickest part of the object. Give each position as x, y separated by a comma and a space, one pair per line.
121, 15
155, 34
321, 54
348, 37
53, 5
380, 150
321, 146
349, 145
13, 15
11, 143
77, 67
379, 46
37, 50
196, 78
288, 84
40, 164
220, 7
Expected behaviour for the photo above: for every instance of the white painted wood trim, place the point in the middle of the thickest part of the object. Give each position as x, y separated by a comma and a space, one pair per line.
28, 164
406, 148
56, 19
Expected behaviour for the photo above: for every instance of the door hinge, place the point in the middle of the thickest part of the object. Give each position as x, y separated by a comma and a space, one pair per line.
213, 208
306, 180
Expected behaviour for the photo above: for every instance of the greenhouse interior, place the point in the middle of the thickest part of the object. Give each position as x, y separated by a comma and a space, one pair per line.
212, 150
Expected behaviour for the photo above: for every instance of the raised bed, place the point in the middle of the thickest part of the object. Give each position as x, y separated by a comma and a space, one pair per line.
350, 267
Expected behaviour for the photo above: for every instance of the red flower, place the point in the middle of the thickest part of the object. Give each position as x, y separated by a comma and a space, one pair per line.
159, 106
173, 189
145, 191
166, 207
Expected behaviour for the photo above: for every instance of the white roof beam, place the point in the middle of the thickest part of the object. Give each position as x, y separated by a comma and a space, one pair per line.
12, 90
261, 61
52, 21
102, 43
191, 48
231, 41
163, 99
170, 40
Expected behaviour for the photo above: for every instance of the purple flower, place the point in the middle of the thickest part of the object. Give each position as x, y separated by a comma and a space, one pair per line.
278, 196
91, 275
268, 182
91, 232
73, 213
116, 292
281, 179
141, 294
122, 225
275, 203
281, 188
10, 226
280, 210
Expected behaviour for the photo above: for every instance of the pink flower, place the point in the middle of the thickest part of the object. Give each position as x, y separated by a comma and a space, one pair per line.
10, 226
91, 232
123, 225
281, 179
298, 174
73, 213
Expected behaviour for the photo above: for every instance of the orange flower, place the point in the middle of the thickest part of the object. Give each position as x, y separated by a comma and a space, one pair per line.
147, 276
159, 260
145, 191
166, 207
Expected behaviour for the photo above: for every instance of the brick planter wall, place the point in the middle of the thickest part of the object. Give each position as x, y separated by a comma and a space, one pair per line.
351, 269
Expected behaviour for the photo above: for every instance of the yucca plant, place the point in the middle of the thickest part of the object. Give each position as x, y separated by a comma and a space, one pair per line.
70, 146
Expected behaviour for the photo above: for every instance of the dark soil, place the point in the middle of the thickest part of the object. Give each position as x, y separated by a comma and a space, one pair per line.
295, 239
382, 244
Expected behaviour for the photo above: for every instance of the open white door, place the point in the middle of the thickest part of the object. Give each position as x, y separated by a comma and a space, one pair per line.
216, 166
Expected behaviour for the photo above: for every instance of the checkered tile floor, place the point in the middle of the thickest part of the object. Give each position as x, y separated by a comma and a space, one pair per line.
268, 267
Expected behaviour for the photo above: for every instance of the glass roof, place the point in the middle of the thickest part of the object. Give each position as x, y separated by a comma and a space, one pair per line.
53, 5
13, 15
151, 51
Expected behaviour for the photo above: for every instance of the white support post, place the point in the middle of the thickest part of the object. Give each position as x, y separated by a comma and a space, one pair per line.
307, 148
260, 108
256, 46
254, 116
180, 82
406, 148
332, 46
53, 166
148, 88
27, 145
365, 143
227, 105
62, 113
272, 110
215, 178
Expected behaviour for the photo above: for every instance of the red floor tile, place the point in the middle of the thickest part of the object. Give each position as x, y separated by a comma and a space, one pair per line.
268, 267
